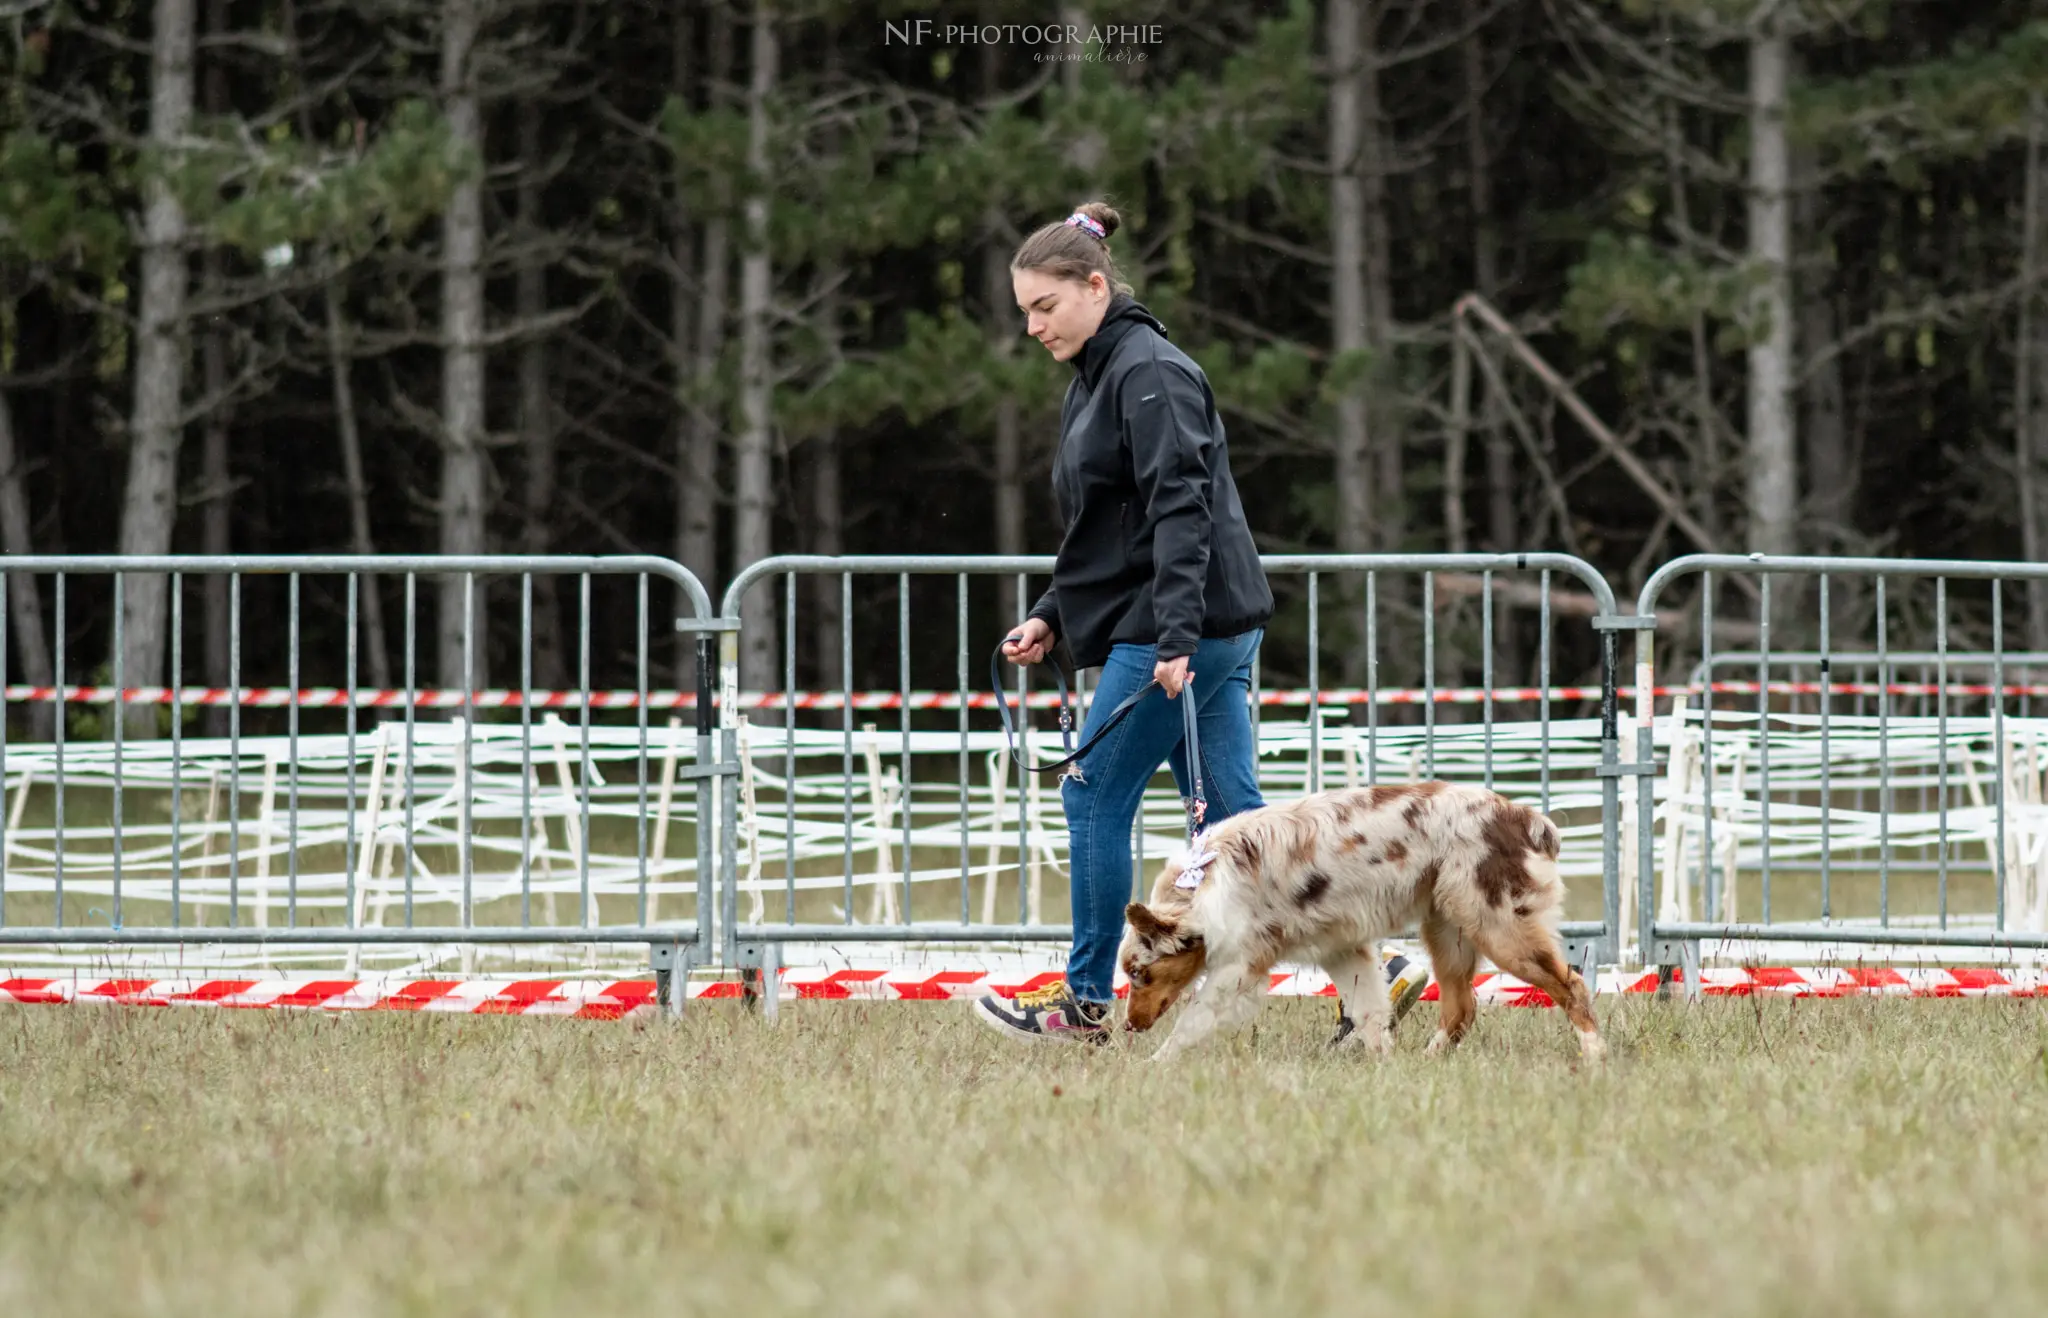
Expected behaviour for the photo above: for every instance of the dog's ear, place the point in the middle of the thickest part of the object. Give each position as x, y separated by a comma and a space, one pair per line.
1150, 926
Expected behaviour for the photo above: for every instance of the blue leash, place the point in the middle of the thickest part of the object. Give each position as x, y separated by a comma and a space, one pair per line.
1197, 805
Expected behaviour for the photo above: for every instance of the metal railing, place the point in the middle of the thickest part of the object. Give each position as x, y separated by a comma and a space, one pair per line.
1885, 786
1778, 792
109, 820
942, 808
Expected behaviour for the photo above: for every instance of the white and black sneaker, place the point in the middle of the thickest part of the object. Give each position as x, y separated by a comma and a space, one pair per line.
1046, 1015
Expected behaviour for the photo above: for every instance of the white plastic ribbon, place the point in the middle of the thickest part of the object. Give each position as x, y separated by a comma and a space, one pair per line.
1193, 859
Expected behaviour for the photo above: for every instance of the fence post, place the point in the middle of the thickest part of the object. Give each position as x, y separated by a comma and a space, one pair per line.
1610, 800
1646, 796
729, 715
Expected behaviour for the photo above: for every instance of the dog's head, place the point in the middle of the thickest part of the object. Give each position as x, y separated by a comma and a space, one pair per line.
1161, 959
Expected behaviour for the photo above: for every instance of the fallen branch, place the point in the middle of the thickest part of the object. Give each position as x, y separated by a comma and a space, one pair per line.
1579, 604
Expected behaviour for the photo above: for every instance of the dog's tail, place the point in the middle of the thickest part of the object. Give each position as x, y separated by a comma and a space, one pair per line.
1543, 836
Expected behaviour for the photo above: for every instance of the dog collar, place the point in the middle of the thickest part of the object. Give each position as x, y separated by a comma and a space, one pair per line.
1194, 858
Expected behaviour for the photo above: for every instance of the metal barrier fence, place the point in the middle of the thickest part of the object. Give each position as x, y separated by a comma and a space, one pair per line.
1810, 791
942, 807
1916, 679
102, 845
1894, 792
1898, 692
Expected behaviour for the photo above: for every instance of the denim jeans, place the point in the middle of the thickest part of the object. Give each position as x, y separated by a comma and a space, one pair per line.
1102, 803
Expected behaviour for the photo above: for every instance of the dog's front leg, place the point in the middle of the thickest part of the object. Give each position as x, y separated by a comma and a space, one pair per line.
1225, 998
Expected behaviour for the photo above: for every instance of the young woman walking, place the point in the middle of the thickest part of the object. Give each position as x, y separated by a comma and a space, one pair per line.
1157, 579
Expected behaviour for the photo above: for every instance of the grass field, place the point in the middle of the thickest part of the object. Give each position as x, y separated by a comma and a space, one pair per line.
1735, 1157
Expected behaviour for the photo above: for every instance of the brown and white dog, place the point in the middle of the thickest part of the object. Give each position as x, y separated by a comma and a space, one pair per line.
1323, 878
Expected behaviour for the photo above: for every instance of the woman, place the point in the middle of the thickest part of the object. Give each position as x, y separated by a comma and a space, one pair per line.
1157, 580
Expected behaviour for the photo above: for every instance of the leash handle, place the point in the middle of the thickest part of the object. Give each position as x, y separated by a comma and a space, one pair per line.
1197, 803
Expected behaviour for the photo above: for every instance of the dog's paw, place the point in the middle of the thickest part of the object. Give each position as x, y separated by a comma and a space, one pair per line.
1592, 1048
1440, 1043
1374, 1037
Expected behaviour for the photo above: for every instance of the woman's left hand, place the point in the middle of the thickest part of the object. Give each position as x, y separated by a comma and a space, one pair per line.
1172, 674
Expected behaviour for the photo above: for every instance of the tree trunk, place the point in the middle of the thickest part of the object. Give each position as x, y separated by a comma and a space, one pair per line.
536, 412
1830, 477
24, 604
1486, 272
1354, 528
1073, 18
753, 491
698, 316
1383, 422
149, 504
463, 461
350, 437
1003, 323
689, 537
1350, 314
2030, 379
216, 477
1707, 480
1502, 534
333, 295
216, 486
1008, 422
1457, 439
1085, 152
682, 312
828, 536
1773, 489
698, 494
826, 457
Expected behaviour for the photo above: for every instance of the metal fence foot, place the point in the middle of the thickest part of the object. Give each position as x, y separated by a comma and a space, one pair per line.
672, 963
1682, 956
1583, 955
760, 966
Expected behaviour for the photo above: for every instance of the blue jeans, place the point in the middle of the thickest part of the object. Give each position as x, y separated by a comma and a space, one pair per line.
1102, 804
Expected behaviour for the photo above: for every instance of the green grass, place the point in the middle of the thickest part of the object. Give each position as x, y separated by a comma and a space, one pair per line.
1735, 1157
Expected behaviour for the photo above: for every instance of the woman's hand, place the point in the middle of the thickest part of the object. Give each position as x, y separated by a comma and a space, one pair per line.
1172, 674
1029, 643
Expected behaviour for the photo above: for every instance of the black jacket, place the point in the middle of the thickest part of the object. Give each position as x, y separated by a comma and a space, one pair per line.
1156, 550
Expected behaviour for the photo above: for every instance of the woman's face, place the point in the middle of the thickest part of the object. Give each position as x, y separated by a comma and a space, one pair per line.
1062, 314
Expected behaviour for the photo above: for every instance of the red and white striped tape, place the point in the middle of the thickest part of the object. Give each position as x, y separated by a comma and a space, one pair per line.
588, 1000
618, 999
271, 697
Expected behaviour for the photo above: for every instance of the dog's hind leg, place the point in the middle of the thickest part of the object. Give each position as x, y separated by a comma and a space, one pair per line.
1531, 953
1452, 959
1367, 1018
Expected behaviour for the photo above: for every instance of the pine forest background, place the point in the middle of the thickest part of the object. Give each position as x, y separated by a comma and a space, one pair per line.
726, 278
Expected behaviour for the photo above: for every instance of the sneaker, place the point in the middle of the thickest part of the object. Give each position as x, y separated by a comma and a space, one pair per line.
1407, 978
1047, 1015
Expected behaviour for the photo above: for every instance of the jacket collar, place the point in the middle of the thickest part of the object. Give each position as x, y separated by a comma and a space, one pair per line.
1120, 317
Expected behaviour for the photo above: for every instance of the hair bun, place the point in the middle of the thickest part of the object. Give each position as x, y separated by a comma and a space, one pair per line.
1103, 214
